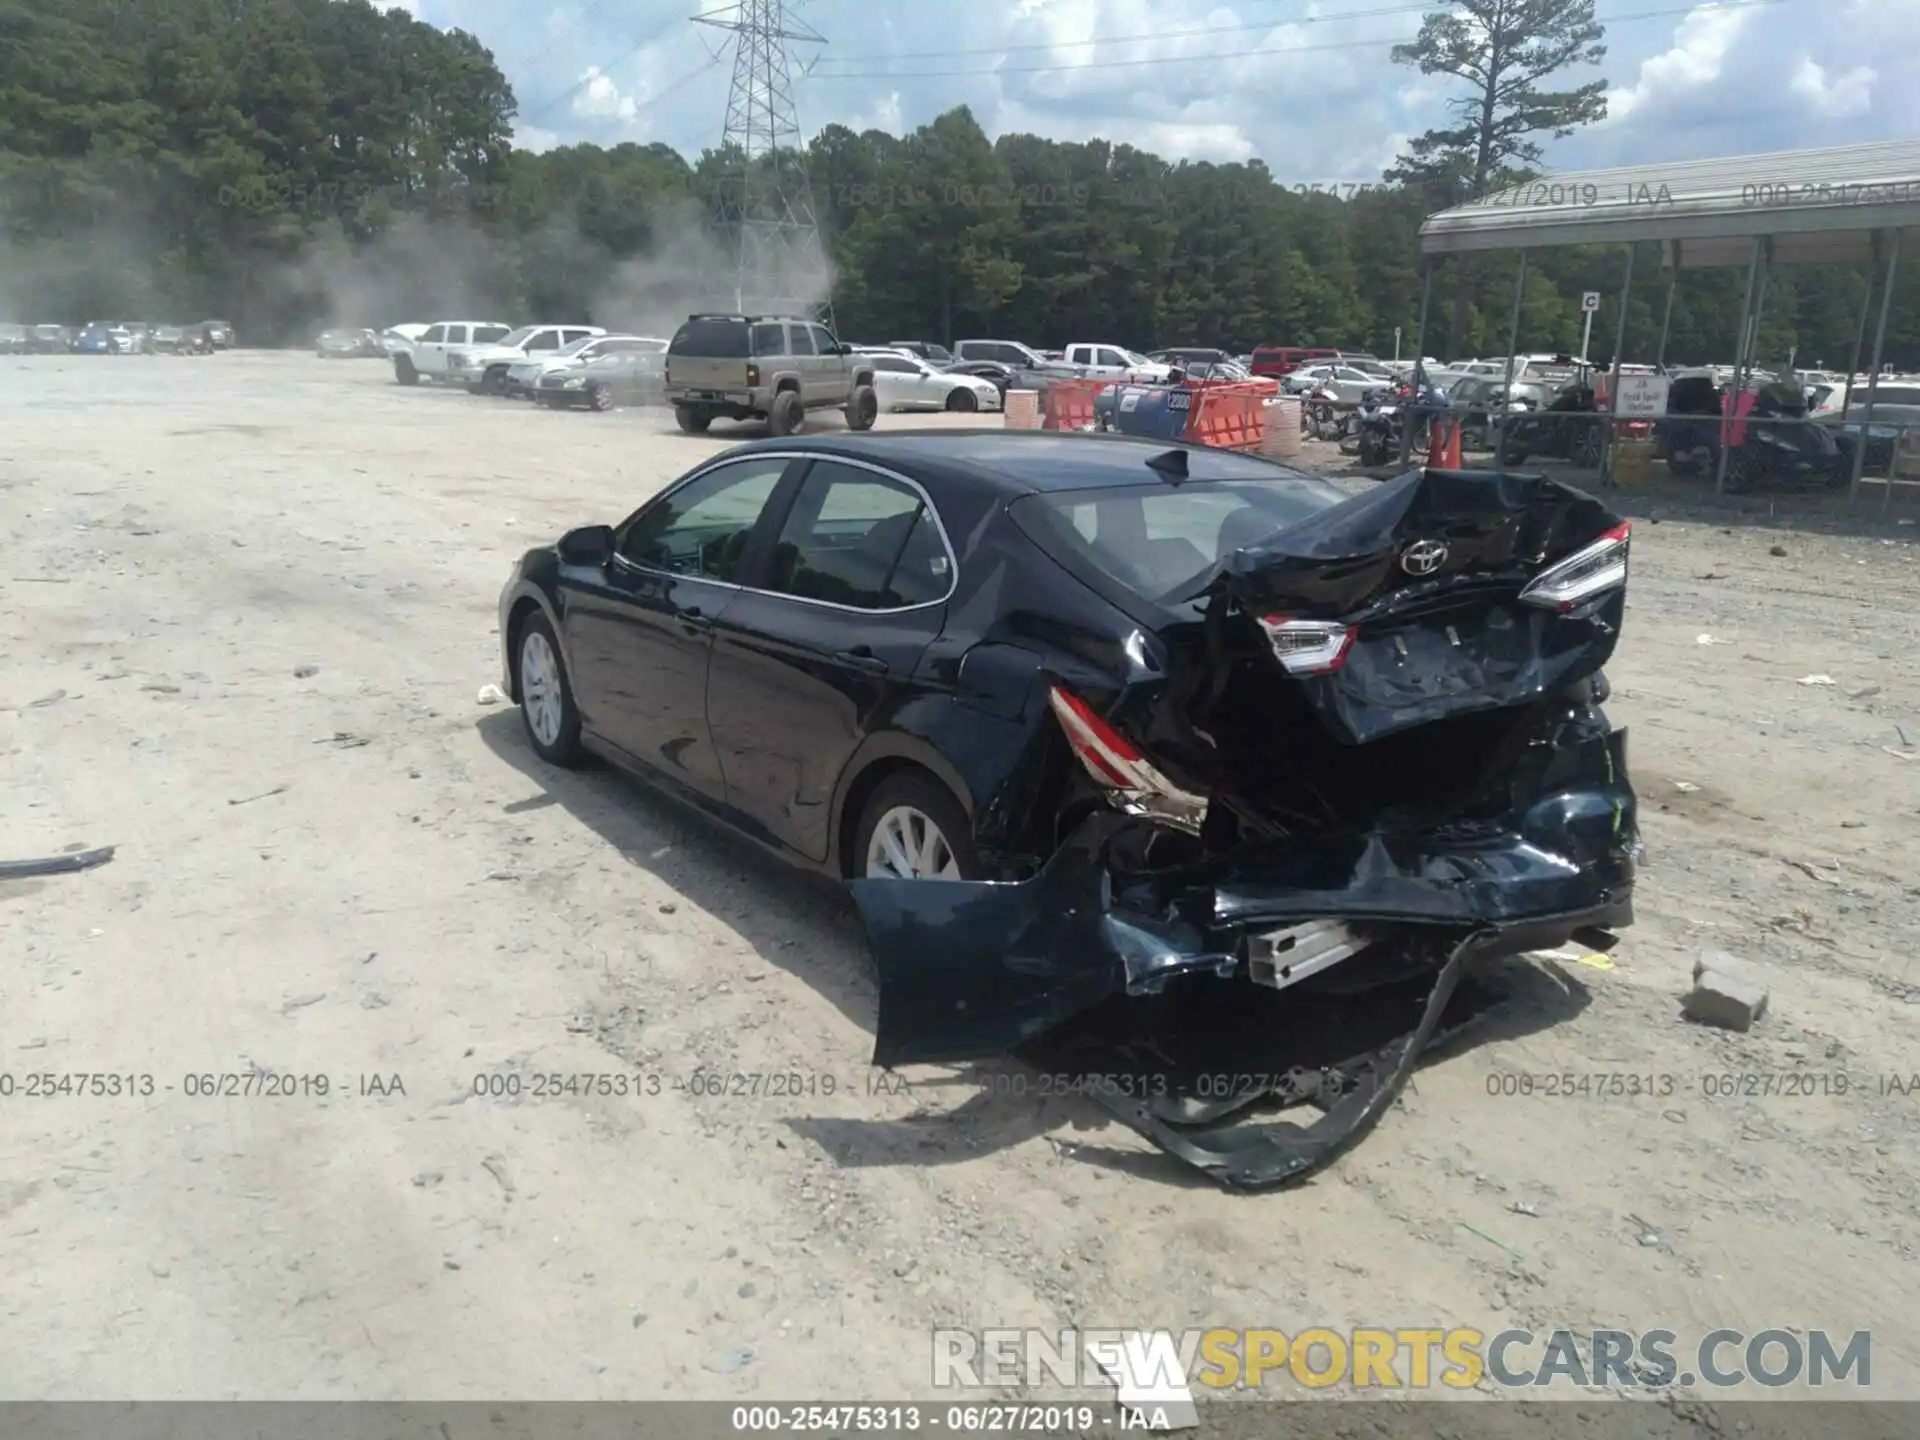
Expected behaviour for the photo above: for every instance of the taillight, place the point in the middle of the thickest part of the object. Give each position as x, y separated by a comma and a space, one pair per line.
753, 376
1308, 647
1117, 764
1589, 571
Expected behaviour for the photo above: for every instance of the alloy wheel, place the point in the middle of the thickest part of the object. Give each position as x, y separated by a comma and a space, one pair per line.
540, 687
908, 845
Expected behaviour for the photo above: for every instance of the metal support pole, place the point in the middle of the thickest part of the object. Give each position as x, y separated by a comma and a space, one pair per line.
1873, 381
1513, 344
1666, 315
1860, 335
1419, 361
1613, 381
1746, 314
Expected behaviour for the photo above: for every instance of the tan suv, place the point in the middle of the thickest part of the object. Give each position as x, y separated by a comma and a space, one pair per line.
765, 367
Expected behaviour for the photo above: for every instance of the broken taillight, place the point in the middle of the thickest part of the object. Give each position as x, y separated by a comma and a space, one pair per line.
1116, 764
1308, 647
1587, 572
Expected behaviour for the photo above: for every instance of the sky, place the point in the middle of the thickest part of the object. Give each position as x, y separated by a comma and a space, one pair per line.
1308, 86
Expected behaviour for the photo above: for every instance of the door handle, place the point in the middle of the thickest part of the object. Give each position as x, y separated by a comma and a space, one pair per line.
861, 658
695, 619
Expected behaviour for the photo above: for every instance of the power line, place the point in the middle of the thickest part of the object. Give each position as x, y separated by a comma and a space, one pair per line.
1131, 39
595, 72
1218, 56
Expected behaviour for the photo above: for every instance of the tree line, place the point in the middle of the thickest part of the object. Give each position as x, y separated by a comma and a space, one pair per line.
289, 164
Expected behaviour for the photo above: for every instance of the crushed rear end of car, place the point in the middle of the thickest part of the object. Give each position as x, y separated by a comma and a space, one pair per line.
1367, 759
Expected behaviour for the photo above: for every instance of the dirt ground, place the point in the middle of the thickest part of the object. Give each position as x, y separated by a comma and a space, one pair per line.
249, 602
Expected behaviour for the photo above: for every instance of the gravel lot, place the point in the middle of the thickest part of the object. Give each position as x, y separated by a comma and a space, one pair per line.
248, 605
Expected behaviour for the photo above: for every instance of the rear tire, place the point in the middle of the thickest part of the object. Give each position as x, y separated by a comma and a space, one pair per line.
404, 372
863, 408
962, 402
690, 420
941, 828
787, 414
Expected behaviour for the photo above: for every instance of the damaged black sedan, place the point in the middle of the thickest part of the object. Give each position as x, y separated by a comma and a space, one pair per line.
1196, 742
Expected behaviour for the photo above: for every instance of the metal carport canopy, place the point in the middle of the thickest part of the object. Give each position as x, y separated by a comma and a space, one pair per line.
1814, 206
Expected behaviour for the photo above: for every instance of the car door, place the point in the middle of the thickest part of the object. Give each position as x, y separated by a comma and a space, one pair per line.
806, 362
835, 369
894, 382
639, 631
1111, 361
825, 644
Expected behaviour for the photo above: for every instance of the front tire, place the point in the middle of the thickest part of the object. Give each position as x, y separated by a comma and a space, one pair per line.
692, 421
962, 402
546, 694
404, 372
912, 829
863, 408
599, 397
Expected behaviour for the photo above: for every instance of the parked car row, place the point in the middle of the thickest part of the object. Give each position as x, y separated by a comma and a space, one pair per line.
558, 366
115, 337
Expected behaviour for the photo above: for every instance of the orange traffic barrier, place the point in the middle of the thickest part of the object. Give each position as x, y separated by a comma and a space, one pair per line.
1068, 404
1229, 417
1443, 444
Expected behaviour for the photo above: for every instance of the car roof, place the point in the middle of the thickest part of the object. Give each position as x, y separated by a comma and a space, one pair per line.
1017, 462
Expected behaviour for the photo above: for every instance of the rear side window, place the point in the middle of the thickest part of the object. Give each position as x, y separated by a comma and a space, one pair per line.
489, 334
1157, 542
802, 341
770, 340
710, 340
858, 539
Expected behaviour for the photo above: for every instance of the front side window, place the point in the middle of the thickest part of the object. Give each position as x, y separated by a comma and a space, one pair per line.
489, 334
542, 341
823, 341
436, 334
858, 539
702, 528
802, 340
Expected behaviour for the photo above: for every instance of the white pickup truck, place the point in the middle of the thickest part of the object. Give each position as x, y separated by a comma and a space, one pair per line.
484, 365
1113, 362
430, 355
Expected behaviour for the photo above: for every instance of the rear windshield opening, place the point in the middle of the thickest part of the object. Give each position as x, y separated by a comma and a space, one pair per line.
1160, 542
711, 340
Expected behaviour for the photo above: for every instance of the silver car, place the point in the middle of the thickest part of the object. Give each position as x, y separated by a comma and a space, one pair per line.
1348, 383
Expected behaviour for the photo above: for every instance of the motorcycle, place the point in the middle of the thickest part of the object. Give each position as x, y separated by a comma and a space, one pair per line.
1376, 425
1568, 428
1323, 416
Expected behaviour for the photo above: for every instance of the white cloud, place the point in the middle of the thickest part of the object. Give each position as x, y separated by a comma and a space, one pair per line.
1834, 96
533, 138
600, 98
1699, 52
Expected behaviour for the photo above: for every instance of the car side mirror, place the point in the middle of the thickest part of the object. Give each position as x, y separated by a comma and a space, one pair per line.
590, 546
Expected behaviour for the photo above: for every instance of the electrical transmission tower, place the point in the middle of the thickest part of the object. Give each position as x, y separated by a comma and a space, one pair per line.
764, 206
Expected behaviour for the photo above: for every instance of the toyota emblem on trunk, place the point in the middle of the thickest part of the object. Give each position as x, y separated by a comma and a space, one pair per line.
1423, 557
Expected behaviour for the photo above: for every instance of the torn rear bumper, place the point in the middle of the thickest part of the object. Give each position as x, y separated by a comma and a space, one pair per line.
1137, 977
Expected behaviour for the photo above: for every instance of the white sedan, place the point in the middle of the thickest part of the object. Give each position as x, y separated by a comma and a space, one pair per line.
906, 382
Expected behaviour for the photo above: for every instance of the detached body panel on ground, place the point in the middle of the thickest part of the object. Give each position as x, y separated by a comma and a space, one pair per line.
1181, 719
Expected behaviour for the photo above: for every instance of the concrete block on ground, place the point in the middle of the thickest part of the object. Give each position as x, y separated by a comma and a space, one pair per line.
1732, 1002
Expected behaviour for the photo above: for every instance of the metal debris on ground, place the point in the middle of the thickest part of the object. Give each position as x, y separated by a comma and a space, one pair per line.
305, 672
1814, 680
263, 795
56, 864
